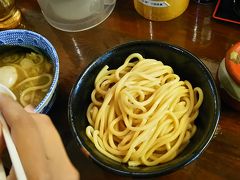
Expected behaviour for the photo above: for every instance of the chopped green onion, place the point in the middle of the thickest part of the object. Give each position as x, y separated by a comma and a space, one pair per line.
234, 56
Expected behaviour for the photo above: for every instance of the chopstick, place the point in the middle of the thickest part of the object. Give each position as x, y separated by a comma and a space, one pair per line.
17, 165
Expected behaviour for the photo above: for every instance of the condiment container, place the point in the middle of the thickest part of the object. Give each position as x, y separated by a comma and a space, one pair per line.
228, 77
158, 10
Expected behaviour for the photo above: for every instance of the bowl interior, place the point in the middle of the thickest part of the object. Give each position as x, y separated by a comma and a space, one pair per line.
186, 65
36, 42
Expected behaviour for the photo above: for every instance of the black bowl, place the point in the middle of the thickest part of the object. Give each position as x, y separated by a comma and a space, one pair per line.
186, 65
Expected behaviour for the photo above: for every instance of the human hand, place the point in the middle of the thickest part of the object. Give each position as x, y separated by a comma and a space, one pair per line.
38, 143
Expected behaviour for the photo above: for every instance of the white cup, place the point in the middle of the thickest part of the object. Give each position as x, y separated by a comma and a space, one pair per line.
76, 15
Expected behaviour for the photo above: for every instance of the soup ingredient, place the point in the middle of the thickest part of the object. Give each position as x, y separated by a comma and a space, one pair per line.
142, 113
8, 76
28, 74
26, 63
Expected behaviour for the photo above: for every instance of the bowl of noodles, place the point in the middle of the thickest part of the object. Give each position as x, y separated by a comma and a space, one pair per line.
29, 67
144, 108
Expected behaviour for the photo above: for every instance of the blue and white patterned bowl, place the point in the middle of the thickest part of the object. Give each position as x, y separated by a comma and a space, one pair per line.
30, 39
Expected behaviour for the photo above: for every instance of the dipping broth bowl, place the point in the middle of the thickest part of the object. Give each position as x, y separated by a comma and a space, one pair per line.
34, 42
186, 65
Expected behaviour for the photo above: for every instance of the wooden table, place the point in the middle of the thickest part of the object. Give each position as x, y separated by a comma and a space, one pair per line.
194, 30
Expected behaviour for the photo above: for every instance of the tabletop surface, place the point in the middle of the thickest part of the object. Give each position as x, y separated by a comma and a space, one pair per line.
195, 30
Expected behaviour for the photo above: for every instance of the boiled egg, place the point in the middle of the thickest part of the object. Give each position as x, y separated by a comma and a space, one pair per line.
8, 76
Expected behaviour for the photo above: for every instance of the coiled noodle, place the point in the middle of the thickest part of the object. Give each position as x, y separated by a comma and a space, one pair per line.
142, 113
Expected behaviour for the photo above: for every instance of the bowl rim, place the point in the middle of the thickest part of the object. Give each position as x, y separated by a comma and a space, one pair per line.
41, 107
186, 161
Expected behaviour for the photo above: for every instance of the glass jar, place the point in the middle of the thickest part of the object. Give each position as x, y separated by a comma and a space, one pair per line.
158, 10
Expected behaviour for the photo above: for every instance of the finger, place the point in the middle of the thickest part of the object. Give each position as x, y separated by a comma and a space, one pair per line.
29, 108
11, 110
26, 137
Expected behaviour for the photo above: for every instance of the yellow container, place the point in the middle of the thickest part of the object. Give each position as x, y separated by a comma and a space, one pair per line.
159, 10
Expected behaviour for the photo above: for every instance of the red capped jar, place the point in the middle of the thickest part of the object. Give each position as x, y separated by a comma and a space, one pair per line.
229, 77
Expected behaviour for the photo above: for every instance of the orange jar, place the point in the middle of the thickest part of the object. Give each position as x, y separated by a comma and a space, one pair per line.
159, 10
229, 77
